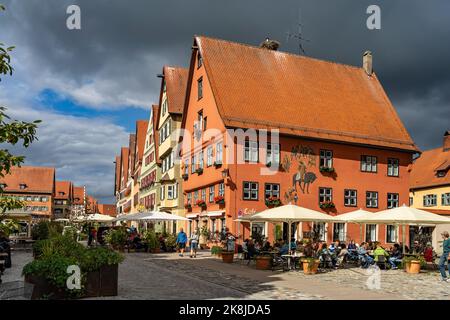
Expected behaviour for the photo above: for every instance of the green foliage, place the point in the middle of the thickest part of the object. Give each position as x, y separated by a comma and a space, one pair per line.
59, 245
171, 240
407, 259
9, 226
151, 239
278, 232
93, 259
216, 250
117, 238
11, 132
204, 231
46, 229
71, 232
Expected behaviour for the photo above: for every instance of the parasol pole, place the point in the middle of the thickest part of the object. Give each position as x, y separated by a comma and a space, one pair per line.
404, 236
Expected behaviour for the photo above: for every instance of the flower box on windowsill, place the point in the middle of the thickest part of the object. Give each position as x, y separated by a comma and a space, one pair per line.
185, 176
201, 203
326, 169
199, 171
219, 200
327, 205
273, 202
188, 206
217, 164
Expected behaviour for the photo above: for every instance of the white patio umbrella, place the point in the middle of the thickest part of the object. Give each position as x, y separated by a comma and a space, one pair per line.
404, 216
354, 217
96, 217
161, 216
291, 213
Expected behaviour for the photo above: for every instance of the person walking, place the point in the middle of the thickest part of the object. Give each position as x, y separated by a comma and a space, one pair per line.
181, 241
444, 256
194, 243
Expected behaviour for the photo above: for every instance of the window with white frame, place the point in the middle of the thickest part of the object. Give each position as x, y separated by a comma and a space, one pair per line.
219, 156
320, 231
209, 156
392, 200
170, 192
189, 198
222, 189
251, 151
350, 198
164, 107
195, 196
199, 60
392, 167
200, 88
273, 154
204, 194
175, 190
429, 200
186, 166
368, 163
193, 162
371, 232
200, 160
372, 199
271, 190
391, 234
325, 195
326, 158
162, 193
211, 194
250, 191
339, 231
445, 199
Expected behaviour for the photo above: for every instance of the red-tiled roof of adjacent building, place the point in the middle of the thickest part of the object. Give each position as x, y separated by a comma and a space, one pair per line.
117, 176
107, 209
63, 190
155, 114
426, 170
28, 179
78, 195
141, 132
131, 149
176, 82
301, 96
124, 154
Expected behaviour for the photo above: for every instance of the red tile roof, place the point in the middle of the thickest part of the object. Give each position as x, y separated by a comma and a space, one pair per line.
124, 167
176, 82
118, 176
155, 114
66, 188
424, 169
141, 132
36, 179
260, 88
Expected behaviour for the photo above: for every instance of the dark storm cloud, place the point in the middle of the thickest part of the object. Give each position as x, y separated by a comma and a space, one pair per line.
112, 62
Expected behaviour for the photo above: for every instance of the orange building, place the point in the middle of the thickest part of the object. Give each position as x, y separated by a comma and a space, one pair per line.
63, 199
341, 144
107, 209
36, 187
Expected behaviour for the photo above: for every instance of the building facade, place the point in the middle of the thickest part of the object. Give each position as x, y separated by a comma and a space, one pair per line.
35, 186
430, 187
135, 167
63, 199
172, 93
339, 144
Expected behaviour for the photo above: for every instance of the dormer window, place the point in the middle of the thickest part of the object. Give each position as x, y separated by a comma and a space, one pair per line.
22, 186
3, 185
441, 173
61, 193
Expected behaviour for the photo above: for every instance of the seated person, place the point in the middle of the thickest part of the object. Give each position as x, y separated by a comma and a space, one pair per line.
251, 250
396, 254
293, 244
340, 258
266, 246
284, 249
417, 248
334, 246
138, 244
379, 251
428, 253
366, 260
351, 245
324, 253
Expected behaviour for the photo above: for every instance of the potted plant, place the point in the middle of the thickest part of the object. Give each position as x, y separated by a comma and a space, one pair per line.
217, 164
412, 264
326, 169
116, 238
310, 265
227, 256
264, 262
201, 203
199, 171
327, 205
219, 200
272, 202
216, 251
185, 176
204, 236
152, 241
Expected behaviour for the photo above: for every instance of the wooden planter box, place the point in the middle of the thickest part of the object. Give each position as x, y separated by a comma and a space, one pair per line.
227, 257
310, 267
412, 267
264, 263
101, 283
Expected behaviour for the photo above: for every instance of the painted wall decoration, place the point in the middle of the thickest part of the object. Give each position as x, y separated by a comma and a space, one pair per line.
306, 158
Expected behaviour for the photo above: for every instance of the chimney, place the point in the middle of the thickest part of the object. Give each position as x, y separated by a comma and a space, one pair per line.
446, 144
367, 62
270, 44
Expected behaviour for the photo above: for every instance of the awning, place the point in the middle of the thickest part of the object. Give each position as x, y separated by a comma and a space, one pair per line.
191, 215
215, 213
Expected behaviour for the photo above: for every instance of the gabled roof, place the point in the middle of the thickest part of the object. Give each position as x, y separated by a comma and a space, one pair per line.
424, 169
131, 149
176, 81
66, 188
36, 179
141, 131
155, 115
78, 195
260, 88
117, 175
124, 154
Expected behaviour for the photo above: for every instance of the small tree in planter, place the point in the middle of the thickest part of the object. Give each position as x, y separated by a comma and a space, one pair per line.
171, 242
216, 251
152, 241
116, 238
413, 264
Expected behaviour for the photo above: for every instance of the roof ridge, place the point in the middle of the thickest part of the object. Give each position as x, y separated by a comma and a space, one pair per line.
281, 52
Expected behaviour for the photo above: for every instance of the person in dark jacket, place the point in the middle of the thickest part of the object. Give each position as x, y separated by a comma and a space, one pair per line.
444, 256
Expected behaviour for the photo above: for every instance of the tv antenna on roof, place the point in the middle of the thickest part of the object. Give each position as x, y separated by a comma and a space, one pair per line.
299, 35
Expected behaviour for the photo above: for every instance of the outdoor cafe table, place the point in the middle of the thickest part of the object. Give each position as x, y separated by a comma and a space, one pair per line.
292, 257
